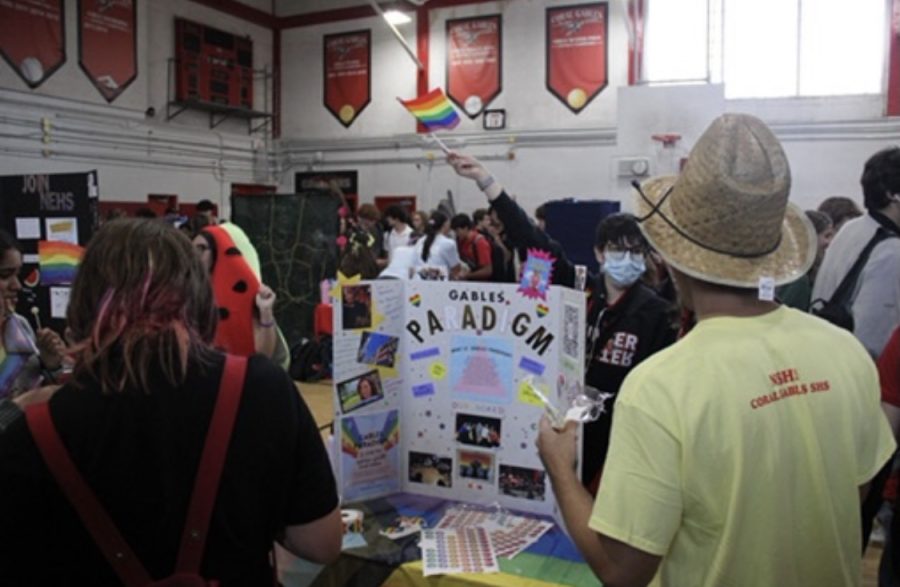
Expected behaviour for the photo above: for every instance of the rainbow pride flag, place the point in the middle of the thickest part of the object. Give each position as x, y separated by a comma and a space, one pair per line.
58, 262
433, 110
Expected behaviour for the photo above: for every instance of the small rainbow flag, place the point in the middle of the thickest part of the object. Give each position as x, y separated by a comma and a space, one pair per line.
415, 300
433, 110
58, 262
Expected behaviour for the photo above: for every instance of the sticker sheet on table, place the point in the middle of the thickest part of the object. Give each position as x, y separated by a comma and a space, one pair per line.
450, 360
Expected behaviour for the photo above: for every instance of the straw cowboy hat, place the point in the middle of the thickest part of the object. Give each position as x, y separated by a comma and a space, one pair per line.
726, 219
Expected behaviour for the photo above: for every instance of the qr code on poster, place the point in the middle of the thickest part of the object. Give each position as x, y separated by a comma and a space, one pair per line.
570, 331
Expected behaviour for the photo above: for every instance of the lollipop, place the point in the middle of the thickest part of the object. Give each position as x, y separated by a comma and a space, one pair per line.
37, 316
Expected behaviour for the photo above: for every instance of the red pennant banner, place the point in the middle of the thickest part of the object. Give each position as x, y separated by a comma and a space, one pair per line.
893, 81
33, 38
576, 53
348, 81
107, 44
474, 62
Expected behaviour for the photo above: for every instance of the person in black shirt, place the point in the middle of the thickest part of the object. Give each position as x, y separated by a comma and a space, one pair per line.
627, 322
134, 419
489, 226
521, 232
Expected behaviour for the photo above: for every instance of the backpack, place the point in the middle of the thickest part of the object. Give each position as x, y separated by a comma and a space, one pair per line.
203, 497
311, 359
357, 258
838, 310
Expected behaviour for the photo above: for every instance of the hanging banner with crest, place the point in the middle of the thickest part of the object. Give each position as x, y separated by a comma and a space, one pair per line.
33, 38
347, 71
107, 44
577, 53
474, 62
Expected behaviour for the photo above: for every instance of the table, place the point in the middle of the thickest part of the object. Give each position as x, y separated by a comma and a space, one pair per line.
550, 562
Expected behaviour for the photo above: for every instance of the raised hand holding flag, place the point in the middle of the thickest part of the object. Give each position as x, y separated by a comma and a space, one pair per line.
434, 111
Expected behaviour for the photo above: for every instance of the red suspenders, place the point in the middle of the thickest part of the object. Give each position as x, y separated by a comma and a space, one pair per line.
203, 498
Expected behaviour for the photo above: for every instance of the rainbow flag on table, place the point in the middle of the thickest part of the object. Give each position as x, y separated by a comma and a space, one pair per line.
433, 110
58, 261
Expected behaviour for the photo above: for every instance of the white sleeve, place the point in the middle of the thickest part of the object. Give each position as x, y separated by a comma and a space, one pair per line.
452, 254
876, 309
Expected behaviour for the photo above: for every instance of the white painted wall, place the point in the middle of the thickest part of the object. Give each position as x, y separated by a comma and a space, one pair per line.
546, 152
529, 106
554, 153
71, 82
392, 74
135, 155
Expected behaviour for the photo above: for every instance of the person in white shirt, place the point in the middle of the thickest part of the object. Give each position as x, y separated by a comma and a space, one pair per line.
876, 302
436, 254
400, 232
402, 265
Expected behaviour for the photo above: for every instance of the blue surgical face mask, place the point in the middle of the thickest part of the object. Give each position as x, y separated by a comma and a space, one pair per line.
624, 268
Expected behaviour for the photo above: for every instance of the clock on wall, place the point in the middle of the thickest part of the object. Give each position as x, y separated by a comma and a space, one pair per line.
494, 119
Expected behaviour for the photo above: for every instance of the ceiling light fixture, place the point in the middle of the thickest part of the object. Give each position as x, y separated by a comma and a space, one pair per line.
396, 17
397, 35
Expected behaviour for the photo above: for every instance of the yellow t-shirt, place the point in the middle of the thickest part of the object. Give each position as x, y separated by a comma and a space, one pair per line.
737, 454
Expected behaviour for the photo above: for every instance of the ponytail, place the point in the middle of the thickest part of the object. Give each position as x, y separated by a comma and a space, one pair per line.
432, 227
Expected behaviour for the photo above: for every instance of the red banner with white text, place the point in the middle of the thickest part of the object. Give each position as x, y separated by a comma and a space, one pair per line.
107, 44
33, 38
577, 53
893, 89
347, 74
474, 62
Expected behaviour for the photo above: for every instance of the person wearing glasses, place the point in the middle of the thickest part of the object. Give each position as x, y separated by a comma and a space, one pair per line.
627, 320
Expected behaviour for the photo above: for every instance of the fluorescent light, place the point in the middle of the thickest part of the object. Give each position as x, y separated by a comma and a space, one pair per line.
396, 17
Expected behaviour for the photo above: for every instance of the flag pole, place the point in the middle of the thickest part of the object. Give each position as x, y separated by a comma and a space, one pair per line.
440, 143
397, 34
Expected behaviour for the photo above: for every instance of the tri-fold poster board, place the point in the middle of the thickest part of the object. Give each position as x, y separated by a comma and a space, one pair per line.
433, 387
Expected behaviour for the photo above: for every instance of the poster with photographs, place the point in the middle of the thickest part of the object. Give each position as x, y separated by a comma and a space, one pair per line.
459, 362
367, 376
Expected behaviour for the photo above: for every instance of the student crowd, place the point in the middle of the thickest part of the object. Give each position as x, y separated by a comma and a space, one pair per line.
748, 440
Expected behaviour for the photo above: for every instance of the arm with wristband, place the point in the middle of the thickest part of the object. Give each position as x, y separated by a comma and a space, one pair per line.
521, 231
265, 335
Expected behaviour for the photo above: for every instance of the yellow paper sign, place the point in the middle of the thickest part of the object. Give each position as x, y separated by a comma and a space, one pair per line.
438, 370
527, 395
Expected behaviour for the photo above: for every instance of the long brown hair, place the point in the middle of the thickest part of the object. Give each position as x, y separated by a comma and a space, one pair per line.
141, 304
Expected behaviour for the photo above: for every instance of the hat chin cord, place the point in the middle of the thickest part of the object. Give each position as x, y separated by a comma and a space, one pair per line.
655, 209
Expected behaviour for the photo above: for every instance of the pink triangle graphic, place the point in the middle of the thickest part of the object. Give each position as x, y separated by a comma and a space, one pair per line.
480, 376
